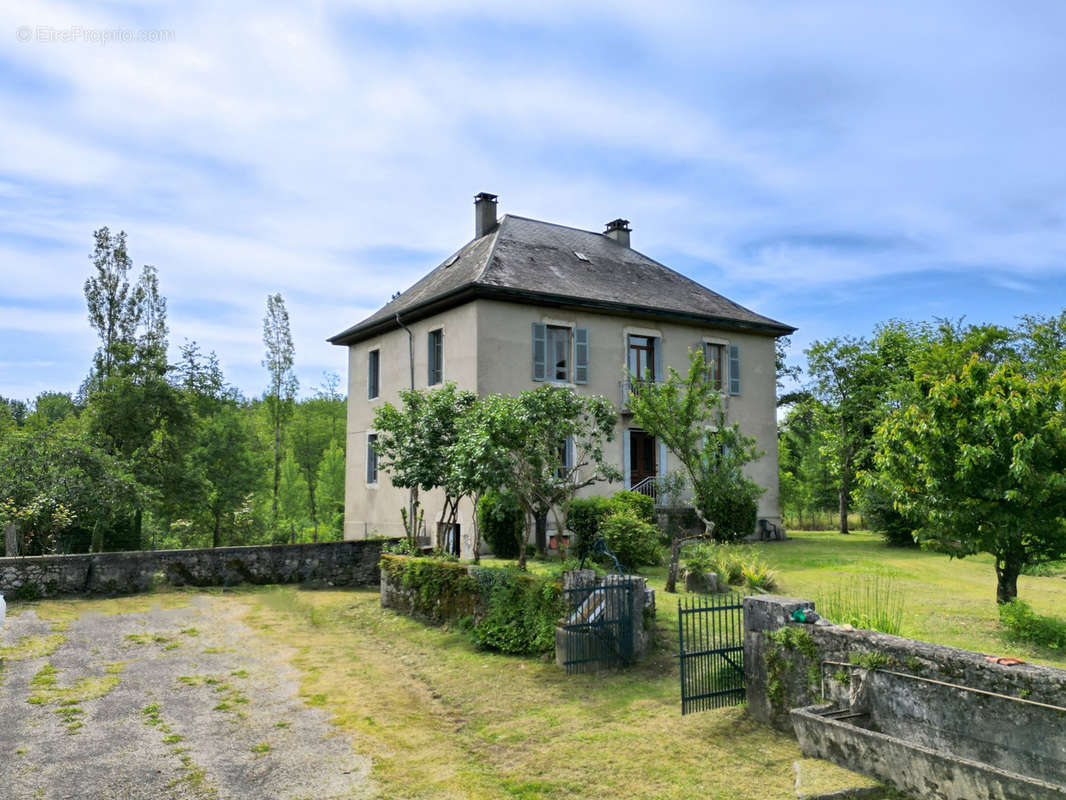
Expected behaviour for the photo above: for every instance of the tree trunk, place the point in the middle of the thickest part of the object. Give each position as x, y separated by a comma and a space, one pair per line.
277, 460
477, 531
1007, 571
523, 537
541, 538
675, 558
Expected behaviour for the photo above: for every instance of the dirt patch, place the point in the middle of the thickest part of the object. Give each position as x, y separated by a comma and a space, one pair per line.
167, 703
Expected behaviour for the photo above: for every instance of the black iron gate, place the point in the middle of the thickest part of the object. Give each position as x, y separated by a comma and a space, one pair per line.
599, 630
711, 633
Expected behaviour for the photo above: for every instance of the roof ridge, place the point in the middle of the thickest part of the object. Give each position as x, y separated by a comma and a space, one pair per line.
492, 250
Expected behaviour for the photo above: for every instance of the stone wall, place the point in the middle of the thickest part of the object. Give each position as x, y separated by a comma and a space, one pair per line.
328, 563
935, 721
789, 671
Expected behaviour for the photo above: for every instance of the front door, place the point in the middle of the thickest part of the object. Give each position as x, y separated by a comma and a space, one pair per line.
641, 457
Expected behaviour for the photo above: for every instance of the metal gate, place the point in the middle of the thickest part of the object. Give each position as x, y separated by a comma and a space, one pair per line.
599, 631
711, 634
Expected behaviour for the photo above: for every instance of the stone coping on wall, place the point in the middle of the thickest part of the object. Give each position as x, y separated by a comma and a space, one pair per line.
350, 562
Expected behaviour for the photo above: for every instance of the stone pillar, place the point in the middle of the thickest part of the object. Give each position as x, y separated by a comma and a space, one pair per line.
11, 540
768, 695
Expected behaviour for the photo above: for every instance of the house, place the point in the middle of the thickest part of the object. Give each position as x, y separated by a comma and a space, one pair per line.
527, 302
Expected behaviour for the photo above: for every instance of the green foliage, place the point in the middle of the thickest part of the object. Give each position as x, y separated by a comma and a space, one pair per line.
520, 611
441, 590
502, 522
634, 542
979, 458
882, 517
401, 547
639, 505
872, 603
688, 416
330, 480
1024, 625
502, 609
869, 660
737, 565
794, 638
583, 518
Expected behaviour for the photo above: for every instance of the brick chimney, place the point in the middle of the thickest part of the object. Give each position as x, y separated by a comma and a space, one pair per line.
619, 231
484, 214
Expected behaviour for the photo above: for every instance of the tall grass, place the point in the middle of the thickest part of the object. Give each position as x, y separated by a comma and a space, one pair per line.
735, 564
872, 603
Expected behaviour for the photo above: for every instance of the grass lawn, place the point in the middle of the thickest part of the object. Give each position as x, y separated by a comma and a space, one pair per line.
947, 601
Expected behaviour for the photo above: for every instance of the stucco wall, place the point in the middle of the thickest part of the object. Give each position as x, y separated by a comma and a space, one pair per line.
375, 510
335, 563
487, 348
504, 345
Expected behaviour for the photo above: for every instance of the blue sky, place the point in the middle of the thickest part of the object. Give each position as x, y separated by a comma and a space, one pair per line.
829, 164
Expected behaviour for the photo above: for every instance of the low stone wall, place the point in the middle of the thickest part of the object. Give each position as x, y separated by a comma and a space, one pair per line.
329, 563
954, 711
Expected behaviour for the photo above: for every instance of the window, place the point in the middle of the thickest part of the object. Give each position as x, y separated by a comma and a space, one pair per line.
373, 373
371, 458
565, 453
435, 352
641, 360
714, 357
560, 353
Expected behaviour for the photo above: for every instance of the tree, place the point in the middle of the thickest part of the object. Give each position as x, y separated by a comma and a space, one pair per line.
542, 445
111, 301
979, 458
414, 443
228, 466
292, 497
330, 480
687, 415
283, 384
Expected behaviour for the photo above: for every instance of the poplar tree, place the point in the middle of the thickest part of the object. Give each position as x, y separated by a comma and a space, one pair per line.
281, 393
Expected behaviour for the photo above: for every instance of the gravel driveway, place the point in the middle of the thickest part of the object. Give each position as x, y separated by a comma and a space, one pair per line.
169, 703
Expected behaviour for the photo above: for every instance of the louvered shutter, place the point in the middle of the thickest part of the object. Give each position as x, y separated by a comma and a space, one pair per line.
734, 369
581, 355
539, 350
658, 346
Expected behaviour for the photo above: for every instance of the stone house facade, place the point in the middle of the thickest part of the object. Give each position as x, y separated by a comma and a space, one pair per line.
527, 302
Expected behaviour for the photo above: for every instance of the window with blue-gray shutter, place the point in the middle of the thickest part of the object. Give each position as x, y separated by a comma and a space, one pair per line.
435, 357
539, 350
371, 458
734, 369
581, 355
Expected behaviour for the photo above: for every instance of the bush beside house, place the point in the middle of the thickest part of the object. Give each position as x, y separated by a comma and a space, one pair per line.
503, 608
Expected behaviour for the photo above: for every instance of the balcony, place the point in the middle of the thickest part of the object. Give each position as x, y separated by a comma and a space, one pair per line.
625, 389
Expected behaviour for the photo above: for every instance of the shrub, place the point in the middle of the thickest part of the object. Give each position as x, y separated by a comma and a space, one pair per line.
734, 517
634, 542
758, 577
401, 547
1025, 625
520, 611
873, 604
701, 560
583, 518
640, 505
500, 608
501, 522
880, 514
738, 565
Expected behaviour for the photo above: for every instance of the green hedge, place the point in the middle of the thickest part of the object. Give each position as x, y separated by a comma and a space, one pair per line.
509, 610
502, 522
634, 543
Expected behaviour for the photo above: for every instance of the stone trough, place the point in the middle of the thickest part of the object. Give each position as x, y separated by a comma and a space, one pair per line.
937, 740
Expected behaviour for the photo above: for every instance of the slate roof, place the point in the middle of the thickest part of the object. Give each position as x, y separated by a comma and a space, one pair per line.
533, 262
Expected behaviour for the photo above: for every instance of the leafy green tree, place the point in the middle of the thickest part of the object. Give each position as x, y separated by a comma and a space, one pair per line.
292, 496
309, 436
281, 393
54, 483
229, 466
542, 446
330, 479
51, 408
979, 459
414, 443
687, 415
